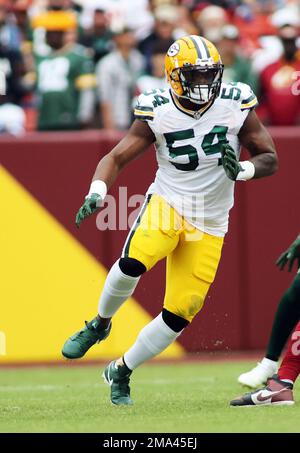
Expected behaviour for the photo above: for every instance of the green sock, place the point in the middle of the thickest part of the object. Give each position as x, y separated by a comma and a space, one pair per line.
286, 318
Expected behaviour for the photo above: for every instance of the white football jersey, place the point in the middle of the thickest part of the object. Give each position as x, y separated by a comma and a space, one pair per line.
190, 175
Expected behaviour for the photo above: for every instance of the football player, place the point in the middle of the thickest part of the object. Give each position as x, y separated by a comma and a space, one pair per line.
279, 389
198, 126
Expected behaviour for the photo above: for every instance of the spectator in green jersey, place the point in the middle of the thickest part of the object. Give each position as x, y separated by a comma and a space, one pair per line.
65, 75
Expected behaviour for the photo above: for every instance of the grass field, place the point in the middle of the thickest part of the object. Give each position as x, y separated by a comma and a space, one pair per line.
183, 397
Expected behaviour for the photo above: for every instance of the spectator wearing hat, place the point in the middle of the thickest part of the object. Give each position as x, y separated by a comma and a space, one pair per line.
237, 68
117, 74
164, 29
36, 36
280, 102
210, 21
65, 75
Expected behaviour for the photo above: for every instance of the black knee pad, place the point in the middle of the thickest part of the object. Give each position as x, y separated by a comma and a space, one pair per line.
175, 322
131, 267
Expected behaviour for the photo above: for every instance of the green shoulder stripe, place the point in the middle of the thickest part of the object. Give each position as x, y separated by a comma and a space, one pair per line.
142, 108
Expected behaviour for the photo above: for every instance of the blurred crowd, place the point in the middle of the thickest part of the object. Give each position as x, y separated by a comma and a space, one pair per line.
69, 65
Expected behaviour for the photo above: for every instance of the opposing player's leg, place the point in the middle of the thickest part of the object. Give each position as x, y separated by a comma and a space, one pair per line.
286, 317
153, 236
279, 390
290, 367
191, 268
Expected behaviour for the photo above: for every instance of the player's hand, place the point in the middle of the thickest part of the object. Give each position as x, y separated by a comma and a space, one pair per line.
92, 204
229, 161
290, 255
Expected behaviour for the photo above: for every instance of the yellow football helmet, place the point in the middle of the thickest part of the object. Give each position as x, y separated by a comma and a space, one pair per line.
194, 69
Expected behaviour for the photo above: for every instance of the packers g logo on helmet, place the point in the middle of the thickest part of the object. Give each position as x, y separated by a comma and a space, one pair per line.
174, 49
194, 69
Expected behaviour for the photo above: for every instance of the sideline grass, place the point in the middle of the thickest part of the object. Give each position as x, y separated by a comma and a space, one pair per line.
183, 397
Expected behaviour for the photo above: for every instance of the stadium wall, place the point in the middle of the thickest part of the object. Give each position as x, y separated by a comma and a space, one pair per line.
51, 272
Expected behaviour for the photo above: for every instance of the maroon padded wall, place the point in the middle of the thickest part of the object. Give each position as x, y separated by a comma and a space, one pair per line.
57, 167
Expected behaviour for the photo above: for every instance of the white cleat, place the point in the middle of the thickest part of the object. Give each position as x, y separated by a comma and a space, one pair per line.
258, 375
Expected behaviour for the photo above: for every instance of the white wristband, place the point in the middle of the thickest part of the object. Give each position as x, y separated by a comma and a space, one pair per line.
98, 187
247, 172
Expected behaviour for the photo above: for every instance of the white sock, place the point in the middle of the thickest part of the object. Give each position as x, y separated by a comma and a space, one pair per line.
117, 289
272, 364
154, 338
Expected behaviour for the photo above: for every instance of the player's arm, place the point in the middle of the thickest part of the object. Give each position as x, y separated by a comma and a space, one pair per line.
256, 139
137, 140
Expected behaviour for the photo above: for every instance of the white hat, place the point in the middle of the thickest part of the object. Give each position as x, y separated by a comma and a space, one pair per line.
212, 12
285, 16
166, 13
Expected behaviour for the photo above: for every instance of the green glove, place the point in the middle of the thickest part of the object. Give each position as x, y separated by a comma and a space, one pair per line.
291, 254
92, 204
230, 163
